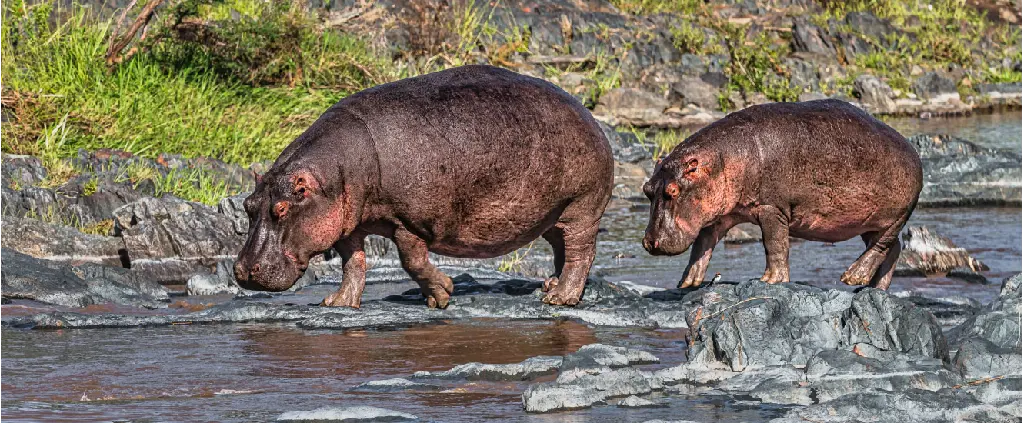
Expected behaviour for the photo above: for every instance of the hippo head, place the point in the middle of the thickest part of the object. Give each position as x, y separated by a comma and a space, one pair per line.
686, 195
291, 219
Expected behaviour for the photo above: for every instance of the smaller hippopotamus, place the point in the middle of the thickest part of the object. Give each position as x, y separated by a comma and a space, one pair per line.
470, 162
819, 170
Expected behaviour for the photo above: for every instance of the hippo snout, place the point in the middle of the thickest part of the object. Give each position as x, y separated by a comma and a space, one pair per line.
266, 275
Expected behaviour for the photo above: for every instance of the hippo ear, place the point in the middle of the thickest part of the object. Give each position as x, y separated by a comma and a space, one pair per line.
691, 169
256, 176
304, 183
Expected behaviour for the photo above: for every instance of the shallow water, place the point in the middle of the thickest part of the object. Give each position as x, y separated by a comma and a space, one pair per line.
256, 372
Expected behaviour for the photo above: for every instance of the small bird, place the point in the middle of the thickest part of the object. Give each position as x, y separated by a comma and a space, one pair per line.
714, 280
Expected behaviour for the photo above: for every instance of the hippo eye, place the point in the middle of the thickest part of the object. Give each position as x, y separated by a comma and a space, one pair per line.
281, 209
671, 190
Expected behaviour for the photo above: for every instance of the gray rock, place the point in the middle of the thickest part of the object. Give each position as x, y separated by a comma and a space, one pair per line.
989, 343
347, 414
170, 239
634, 401
742, 234
875, 95
632, 105
932, 85
59, 243
968, 275
928, 253
756, 324
960, 173
588, 389
693, 90
395, 385
76, 286
812, 96
914, 405
626, 147
528, 369
808, 37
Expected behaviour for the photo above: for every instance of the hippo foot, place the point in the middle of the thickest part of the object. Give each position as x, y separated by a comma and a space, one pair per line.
856, 277
549, 284
438, 298
340, 299
774, 277
560, 295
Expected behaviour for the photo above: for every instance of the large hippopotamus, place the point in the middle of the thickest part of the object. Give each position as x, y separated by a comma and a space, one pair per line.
819, 170
473, 162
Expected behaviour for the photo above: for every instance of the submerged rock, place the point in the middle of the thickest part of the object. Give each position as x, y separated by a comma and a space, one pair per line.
347, 414
395, 385
634, 401
76, 286
528, 369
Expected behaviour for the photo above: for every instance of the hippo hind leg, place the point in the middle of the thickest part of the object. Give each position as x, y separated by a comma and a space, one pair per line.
577, 245
876, 265
554, 237
434, 284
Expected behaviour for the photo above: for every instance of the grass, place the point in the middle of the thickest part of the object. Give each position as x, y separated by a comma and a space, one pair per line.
661, 143
648, 7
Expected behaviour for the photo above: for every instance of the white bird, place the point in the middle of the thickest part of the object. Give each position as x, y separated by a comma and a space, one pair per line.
718, 277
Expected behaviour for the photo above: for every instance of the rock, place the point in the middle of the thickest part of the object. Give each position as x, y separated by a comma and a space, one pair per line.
957, 172
693, 90
528, 369
76, 286
948, 311
867, 24
927, 253
634, 401
754, 324
626, 148
60, 243
347, 414
598, 356
932, 86
742, 234
914, 405
588, 389
968, 275
603, 304
395, 385
221, 282
989, 343
812, 96
875, 95
632, 105
808, 37
169, 239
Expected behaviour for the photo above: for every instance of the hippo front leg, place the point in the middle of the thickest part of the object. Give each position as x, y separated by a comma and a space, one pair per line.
700, 253
775, 238
434, 284
354, 277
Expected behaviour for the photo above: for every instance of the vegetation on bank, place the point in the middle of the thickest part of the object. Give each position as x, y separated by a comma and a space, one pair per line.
237, 80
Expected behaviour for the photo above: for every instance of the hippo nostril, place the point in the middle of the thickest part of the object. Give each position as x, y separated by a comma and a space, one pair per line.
255, 268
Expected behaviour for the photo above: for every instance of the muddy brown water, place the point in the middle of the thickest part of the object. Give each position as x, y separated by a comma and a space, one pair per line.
256, 372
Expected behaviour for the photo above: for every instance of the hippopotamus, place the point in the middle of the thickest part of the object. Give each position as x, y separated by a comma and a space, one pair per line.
470, 162
819, 170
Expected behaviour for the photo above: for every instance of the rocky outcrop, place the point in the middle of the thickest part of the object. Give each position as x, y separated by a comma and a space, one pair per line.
60, 243
528, 369
926, 253
169, 239
989, 343
958, 172
590, 376
25, 277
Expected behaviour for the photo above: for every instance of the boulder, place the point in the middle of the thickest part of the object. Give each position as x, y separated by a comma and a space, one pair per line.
935, 87
693, 90
626, 148
808, 37
632, 106
989, 343
170, 239
875, 95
